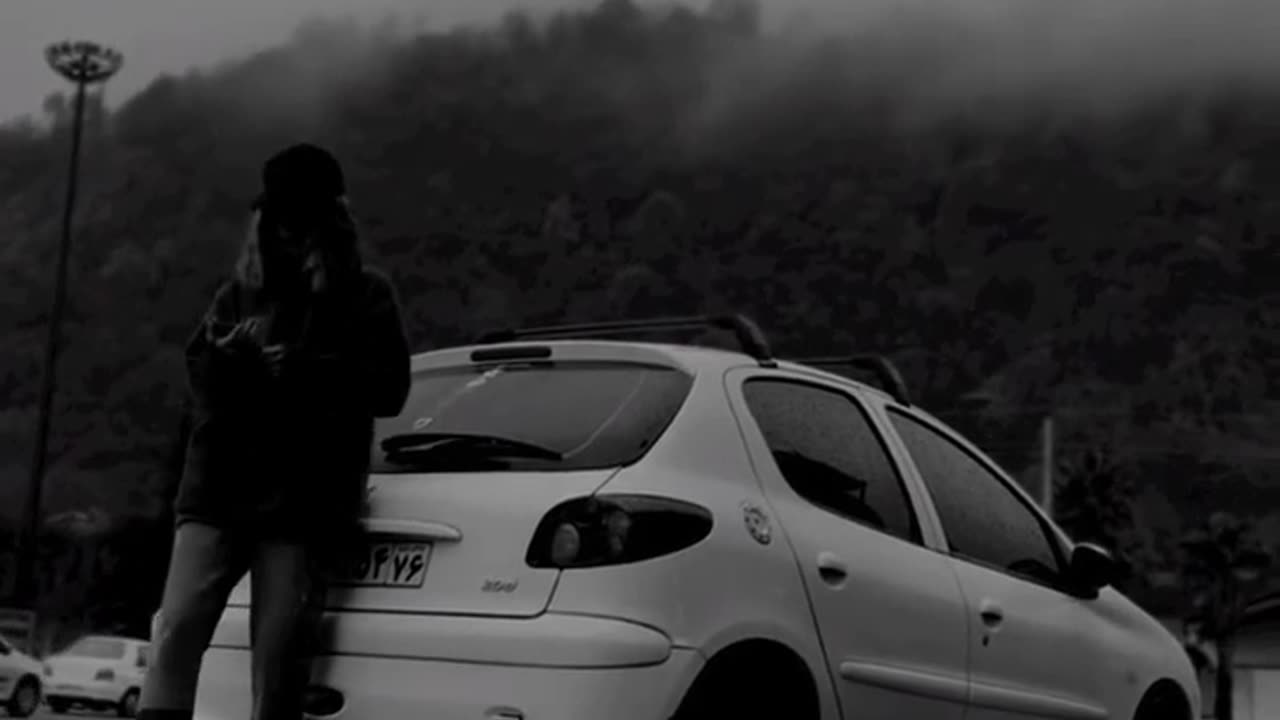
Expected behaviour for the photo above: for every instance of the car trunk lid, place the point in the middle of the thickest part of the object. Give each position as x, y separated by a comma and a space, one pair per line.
452, 543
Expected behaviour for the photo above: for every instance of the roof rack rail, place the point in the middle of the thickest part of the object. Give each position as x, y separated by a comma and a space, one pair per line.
749, 335
879, 365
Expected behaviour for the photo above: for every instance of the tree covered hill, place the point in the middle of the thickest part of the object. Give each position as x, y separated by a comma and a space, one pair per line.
1117, 270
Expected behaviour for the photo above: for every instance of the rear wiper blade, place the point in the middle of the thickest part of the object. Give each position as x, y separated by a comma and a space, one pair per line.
419, 444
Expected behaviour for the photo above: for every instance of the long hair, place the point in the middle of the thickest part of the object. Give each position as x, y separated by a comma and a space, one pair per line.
249, 273
333, 260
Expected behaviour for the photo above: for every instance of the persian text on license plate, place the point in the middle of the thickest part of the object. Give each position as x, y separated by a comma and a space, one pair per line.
388, 564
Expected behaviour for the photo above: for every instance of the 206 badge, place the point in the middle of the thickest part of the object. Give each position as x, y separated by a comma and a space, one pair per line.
757, 522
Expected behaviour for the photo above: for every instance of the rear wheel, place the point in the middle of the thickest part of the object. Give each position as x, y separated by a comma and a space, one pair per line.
756, 680
1164, 701
128, 706
25, 699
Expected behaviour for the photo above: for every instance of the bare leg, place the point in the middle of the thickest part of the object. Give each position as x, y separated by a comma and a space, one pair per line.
205, 565
287, 604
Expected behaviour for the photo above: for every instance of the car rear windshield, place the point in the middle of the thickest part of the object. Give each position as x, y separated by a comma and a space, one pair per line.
97, 648
592, 414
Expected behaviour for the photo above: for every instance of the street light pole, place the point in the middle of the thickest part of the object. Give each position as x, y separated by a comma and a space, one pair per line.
1047, 460
84, 64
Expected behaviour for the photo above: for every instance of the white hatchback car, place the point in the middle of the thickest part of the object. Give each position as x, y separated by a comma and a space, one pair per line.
97, 672
20, 684
565, 529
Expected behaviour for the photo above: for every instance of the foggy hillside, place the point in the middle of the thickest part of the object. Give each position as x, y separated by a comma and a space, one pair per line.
1034, 209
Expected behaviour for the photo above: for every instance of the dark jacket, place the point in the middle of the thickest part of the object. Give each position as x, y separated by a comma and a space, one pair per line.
287, 456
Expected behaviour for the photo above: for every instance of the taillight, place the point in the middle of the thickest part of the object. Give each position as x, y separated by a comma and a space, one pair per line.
615, 530
105, 675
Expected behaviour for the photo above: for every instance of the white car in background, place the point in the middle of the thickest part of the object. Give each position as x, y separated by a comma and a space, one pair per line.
20, 684
570, 529
97, 672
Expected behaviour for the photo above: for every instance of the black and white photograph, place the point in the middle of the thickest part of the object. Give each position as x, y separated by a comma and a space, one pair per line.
640, 359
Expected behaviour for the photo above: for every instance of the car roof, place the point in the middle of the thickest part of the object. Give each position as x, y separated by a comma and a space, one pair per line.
125, 638
591, 341
694, 359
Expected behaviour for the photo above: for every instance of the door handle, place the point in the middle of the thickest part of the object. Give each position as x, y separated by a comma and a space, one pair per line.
832, 569
991, 613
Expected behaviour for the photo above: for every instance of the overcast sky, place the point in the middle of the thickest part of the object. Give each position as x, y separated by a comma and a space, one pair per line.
1077, 51
173, 35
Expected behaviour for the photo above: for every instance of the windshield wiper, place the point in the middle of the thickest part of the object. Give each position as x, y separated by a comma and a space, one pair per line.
419, 445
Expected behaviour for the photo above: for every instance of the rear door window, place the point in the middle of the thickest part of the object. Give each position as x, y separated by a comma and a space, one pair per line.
590, 414
98, 649
829, 452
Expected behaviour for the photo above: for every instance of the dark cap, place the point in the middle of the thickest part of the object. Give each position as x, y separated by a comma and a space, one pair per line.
302, 173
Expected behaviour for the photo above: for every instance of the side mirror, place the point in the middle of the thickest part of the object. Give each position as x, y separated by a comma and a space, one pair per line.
1092, 567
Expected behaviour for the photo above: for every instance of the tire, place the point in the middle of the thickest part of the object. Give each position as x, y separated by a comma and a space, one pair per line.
128, 705
25, 699
727, 703
1163, 703
723, 691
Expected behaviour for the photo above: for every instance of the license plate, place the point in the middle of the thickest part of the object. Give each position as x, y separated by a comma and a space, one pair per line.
387, 564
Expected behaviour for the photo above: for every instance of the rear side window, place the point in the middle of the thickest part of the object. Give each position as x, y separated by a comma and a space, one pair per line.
830, 454
592, 414
98, 649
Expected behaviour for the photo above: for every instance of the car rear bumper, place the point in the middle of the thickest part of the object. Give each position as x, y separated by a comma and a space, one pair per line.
397, 689
590, 672
88, 693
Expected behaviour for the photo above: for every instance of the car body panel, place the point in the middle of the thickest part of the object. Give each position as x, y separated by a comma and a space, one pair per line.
549, 640
476, 559
915, 666
403, 689
1095, 657
14, 666
1137, 652
729, 587
1039, 660
75, 680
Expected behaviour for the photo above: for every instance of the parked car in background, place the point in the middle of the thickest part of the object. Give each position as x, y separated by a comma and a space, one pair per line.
20, 684
97, 672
